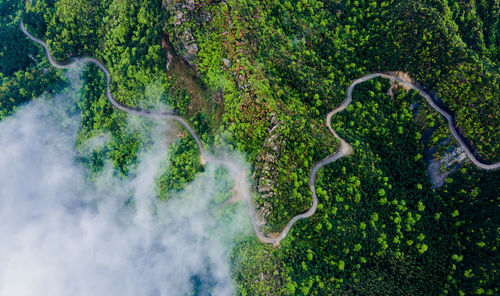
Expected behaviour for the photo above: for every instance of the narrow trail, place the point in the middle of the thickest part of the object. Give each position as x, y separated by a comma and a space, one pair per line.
344, 150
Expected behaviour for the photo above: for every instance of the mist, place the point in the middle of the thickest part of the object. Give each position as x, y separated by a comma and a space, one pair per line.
61, 235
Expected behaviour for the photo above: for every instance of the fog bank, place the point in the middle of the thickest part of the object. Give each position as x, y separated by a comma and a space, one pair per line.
63, 236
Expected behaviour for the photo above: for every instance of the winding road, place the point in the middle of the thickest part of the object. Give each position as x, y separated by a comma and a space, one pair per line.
344, 150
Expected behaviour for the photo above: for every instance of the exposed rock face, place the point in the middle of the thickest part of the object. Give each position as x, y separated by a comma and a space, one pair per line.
226, 62
266, 168
165, 44
182, 13
189, 44
439, 169
404, 76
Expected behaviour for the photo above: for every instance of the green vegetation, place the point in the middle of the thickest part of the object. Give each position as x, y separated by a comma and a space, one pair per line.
24, 72
380, 228
184, 166
100, 119
260, 77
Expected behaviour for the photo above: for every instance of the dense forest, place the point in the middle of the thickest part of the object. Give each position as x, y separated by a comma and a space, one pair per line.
259, 78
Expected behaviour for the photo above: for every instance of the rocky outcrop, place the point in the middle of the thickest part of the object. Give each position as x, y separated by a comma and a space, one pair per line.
439, 168
401, 75
183, 12
266, 172
439, 165
166, 45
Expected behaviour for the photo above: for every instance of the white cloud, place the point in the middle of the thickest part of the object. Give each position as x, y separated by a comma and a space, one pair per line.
62, 236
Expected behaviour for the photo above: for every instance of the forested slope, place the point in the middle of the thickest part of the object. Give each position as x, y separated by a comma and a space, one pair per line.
24, 73
260, 77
